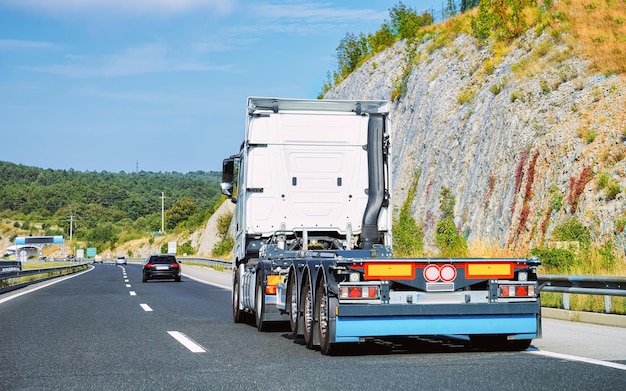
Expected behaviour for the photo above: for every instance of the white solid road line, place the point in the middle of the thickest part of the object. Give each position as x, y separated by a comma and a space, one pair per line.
186, 342
43, 285
146, 307
207, 282
578, 358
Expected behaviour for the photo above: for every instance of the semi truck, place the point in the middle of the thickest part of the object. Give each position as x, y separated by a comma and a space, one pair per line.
313, 239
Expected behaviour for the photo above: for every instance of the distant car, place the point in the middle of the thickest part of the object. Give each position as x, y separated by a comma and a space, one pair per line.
121, 260
161, 266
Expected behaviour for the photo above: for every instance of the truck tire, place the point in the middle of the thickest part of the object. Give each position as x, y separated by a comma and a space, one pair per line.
292, 304
309, 313
238, 315
259, 307
325, 306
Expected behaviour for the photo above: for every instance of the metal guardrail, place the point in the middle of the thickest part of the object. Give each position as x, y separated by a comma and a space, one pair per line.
586, 285
206, 262
10, 266
6, 276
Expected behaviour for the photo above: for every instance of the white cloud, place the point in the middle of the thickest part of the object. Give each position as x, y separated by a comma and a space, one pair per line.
63, 7
132, 61
16, 44
315, 12
308, 17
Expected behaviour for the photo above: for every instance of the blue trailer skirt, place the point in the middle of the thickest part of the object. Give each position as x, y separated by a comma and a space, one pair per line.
518, 326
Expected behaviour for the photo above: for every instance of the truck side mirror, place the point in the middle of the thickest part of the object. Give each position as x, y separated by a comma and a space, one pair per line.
228, 176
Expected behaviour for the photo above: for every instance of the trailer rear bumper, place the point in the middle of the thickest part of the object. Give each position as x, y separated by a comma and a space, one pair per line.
514, 325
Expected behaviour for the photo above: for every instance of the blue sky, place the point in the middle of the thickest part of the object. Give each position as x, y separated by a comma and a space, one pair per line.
159, 85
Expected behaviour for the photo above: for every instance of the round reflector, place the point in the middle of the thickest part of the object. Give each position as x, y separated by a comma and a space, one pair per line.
431, 273
448, 273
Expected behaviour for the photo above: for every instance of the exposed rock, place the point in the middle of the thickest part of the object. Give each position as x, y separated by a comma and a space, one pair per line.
512, 147
210, 237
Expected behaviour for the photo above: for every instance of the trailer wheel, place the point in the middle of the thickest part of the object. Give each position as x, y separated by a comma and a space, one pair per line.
237, 313
309, 321
292, 304
259, 307
325, 304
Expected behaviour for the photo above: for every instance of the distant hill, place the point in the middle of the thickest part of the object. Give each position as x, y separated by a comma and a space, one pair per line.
104, 208
528, 131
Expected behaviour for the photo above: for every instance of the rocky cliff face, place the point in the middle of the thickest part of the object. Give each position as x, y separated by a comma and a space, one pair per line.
520, 139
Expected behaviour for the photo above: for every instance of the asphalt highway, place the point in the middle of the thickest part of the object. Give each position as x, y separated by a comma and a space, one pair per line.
106, 330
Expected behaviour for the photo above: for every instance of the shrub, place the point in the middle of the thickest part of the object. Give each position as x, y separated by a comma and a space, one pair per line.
466, 96
224, 247
408, 235
447, 235
612, 190
185, 248
518, 95
607, 255
555, 258
572, 230
495, 88
556, 198
223, 224
620, 224
449, 241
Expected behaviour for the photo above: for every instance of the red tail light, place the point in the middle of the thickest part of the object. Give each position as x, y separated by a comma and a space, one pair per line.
175, 265
270, 289
517, 290
360, 292
504, 290
354, 292
148, 265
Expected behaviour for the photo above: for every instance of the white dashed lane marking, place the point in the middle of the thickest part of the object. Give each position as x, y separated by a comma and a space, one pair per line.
186, 342
133, 293
146, 307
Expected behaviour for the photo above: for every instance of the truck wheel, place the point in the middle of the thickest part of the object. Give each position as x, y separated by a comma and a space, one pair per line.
324, 307
309, 321
292, 304
259, 307
237, 313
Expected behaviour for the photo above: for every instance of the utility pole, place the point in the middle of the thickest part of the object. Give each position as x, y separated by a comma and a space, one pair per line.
71, 220
71, 224
162, 212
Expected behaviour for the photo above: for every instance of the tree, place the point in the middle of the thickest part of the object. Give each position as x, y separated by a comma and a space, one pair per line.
451, 9
503, 18
406, 23
381, 39
350, 52
468, 4
180, 211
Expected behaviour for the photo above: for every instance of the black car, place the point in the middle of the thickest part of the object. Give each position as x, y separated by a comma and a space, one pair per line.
161, 266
